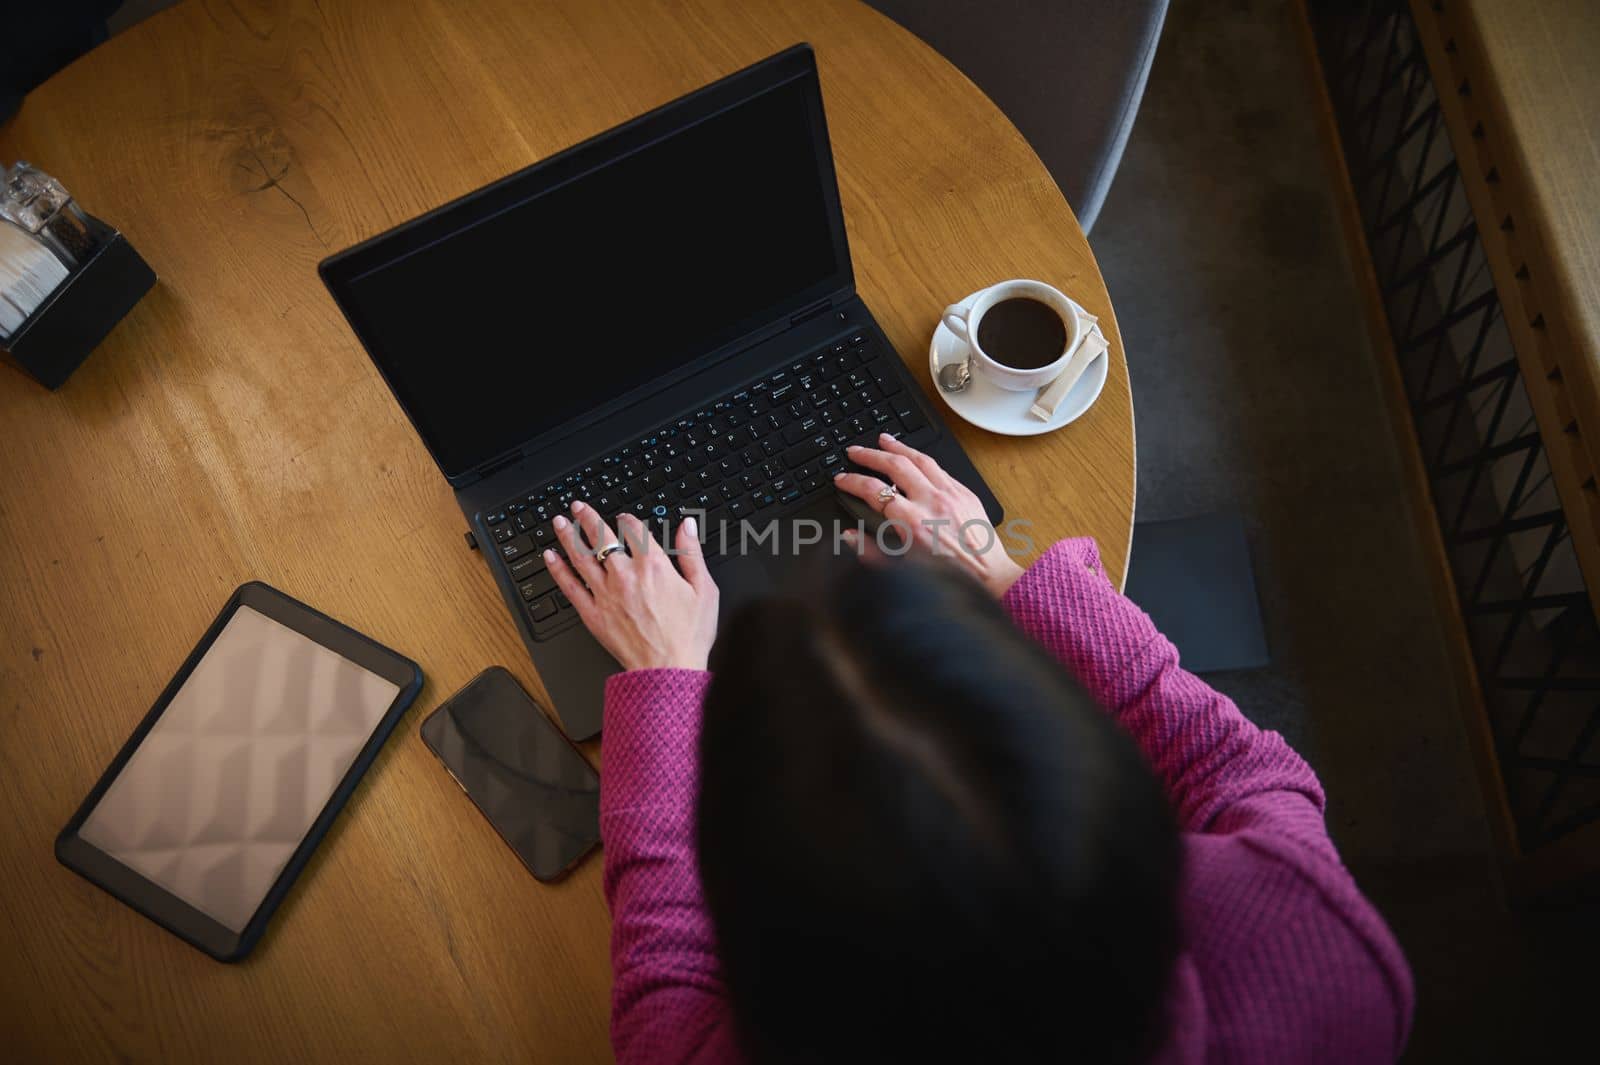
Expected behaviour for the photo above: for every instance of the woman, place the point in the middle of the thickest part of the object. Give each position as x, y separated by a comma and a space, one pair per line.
918, 837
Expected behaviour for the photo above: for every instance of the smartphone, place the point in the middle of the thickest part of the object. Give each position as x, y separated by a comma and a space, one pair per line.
520, 771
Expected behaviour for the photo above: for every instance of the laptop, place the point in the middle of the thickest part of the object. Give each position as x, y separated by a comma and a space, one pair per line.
663, 320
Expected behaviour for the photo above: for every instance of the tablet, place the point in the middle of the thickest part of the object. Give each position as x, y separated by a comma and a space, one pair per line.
220, 796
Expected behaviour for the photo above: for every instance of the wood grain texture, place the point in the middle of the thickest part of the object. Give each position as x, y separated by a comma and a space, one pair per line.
1533, 63
1518, 96
231, 428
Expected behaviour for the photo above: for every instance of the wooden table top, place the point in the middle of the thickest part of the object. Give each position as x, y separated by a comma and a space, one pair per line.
232, 428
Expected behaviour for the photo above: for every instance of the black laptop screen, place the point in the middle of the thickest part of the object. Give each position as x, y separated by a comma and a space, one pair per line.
569, 299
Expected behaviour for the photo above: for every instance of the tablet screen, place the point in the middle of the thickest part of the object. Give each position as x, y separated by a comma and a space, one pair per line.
223, 788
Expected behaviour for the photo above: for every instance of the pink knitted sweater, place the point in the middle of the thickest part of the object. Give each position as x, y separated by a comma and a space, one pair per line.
1283, 959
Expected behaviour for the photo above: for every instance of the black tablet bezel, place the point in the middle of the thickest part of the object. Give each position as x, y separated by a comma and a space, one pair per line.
154, 901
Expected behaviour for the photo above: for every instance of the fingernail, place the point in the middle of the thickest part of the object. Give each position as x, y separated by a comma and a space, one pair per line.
853, 447
549, 556
577, 505
560, 521
885, 436
688, 523
838, 475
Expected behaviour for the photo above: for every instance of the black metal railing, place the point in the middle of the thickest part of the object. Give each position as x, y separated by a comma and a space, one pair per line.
1531, 623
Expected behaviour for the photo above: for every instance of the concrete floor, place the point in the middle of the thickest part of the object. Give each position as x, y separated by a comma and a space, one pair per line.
1255, 390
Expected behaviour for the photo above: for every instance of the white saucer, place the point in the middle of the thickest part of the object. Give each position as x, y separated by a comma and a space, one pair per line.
991, 407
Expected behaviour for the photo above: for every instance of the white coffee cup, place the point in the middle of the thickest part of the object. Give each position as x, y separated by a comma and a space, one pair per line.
964, 322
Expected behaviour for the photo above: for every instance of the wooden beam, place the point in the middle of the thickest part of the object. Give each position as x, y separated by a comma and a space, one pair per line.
1556, 373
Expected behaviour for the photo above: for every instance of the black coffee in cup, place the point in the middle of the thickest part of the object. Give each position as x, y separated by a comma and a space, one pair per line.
1022, 332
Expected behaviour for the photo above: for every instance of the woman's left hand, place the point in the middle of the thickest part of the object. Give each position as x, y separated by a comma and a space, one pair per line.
638, 605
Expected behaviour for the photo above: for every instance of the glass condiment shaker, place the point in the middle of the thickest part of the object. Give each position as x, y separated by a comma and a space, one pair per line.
37, 202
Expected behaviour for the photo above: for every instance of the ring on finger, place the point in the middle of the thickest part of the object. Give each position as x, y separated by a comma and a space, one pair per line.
887, 493
607, 551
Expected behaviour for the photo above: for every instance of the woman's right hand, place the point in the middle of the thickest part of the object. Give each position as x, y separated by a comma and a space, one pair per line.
940, 515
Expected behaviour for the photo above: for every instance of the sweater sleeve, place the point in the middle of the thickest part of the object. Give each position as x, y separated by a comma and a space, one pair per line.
1209, 756
668, 1001
1255, 806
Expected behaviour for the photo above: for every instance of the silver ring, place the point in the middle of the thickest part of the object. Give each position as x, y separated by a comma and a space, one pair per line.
607, 551
886, 493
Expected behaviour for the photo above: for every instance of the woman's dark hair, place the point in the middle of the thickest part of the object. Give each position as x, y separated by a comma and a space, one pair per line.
921, 840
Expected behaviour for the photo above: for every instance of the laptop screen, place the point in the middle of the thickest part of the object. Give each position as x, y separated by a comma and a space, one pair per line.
561, 301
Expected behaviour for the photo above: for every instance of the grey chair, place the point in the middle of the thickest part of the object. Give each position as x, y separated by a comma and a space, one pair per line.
1068, 73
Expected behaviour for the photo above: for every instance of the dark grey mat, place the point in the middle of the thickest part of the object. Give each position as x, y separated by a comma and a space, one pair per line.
1193, 577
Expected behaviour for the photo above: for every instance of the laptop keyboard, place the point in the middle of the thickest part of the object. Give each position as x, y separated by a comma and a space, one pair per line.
754, 452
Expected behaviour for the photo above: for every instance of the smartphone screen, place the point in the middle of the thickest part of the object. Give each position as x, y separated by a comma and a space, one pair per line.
521, 772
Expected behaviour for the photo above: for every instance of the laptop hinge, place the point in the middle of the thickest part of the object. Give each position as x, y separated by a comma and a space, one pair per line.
509, 460
820, 307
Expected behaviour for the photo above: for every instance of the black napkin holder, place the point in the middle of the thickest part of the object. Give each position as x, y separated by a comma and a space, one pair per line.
62, 331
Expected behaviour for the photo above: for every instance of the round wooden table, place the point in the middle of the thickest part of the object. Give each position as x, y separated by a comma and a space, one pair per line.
232, 428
